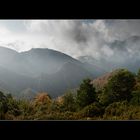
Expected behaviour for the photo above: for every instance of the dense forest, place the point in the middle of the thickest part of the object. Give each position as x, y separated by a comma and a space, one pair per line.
117, 99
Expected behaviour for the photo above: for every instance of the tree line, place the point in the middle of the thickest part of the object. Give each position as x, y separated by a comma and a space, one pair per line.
118, 100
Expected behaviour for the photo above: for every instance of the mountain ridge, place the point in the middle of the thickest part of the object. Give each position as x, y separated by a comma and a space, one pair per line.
40, 69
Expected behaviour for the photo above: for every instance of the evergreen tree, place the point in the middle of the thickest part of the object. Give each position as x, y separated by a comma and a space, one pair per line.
86, 93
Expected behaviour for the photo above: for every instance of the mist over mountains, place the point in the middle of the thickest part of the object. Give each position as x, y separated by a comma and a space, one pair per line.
117, 54
40, 69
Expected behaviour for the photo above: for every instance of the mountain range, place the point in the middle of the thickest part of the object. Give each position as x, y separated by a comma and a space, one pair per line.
24, 74
39, 70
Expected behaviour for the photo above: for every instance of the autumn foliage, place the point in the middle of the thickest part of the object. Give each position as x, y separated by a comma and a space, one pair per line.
118, 98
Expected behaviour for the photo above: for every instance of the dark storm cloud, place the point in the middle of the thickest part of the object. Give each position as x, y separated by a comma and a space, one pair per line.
102, 39
78, 33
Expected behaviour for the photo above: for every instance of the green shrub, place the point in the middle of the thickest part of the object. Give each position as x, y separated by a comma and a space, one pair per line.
122, 111
69, 102
135, 98
119, 87
92, 110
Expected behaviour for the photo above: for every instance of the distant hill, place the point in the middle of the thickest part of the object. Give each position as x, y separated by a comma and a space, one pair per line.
39, 70
68, 77
45, 61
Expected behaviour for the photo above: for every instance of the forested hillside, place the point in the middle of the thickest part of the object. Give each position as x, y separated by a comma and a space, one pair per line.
118, 98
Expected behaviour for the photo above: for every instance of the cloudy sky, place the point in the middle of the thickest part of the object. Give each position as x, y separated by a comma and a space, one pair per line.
73, 37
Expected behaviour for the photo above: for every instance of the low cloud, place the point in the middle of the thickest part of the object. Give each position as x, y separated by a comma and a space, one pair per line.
101, 39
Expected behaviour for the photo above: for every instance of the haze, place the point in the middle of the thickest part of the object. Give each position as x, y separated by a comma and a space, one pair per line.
84, 48
73, 37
